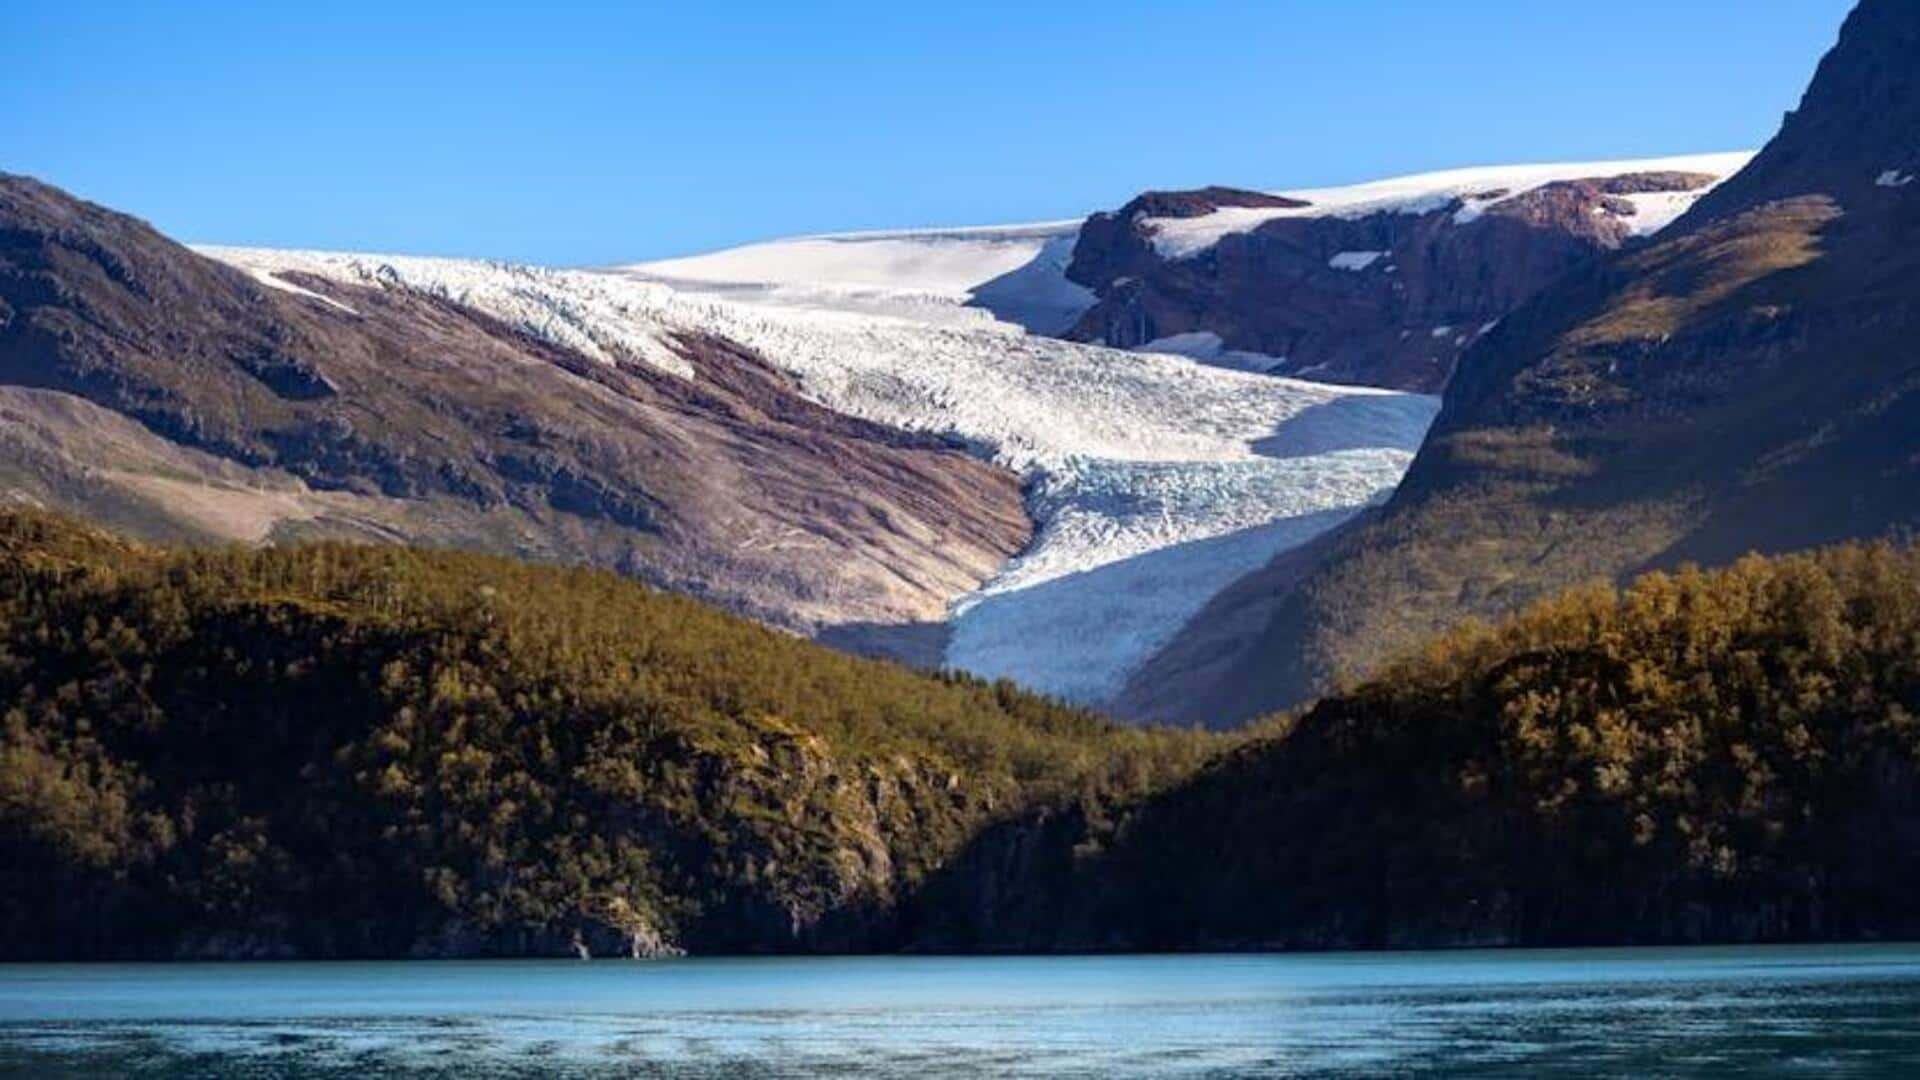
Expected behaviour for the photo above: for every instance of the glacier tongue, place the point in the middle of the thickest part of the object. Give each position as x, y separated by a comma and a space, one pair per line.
1155, 481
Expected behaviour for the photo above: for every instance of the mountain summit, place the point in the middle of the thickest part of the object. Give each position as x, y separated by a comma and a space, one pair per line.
1750, 381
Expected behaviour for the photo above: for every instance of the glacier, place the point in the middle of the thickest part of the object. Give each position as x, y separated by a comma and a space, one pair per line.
1154, 481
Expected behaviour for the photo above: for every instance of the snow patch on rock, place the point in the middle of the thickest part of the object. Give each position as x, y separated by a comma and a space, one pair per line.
266, 277
1356, 260
1208, 348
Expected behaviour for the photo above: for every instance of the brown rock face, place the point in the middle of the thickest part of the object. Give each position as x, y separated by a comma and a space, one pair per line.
1750, 382
1402, 320
162, 391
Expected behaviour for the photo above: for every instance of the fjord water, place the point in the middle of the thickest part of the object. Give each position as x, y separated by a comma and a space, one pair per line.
1784, 1011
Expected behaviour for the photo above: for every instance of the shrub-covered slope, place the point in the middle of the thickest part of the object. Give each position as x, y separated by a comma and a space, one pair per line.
1726, 757
338, 750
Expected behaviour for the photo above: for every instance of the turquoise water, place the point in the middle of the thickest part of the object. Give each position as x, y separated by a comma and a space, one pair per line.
1779, 1011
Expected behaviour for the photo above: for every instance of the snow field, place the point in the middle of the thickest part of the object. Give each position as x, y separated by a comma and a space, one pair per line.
1474, 189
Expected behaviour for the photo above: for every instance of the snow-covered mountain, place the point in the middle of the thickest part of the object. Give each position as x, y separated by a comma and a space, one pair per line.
1154, 477
1154, 481
1381, 283
1157, 476
1468, 193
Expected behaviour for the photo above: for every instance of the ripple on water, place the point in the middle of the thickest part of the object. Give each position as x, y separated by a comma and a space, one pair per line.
1602, 1013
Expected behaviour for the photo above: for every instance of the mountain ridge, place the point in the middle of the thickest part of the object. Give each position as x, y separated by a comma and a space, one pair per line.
1746, 382
393, 414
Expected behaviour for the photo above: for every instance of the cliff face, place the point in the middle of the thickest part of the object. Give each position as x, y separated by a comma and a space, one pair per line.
1389, 296
159, 390
1748, 382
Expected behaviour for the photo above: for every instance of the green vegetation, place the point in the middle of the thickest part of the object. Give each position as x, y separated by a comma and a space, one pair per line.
1725, 756
341, 750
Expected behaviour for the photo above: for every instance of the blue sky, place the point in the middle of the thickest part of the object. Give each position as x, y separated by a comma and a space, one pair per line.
575, 133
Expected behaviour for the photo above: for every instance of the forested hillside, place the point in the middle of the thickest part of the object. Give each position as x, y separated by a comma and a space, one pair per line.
340, 750
1729, 756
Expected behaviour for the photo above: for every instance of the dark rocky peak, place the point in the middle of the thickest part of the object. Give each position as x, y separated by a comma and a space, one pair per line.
1651, 183
1200, 202
1855, 137
54, 247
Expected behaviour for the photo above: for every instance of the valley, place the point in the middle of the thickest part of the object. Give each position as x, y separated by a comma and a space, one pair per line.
1504, 556
1155, 477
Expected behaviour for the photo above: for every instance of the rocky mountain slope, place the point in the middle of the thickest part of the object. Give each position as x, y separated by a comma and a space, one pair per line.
154, 387
1750, 381
1381, 284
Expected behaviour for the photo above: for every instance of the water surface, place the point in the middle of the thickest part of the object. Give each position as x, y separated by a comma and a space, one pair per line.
1775, 1011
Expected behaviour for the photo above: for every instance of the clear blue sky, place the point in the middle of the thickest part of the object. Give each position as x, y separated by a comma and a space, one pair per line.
578, 133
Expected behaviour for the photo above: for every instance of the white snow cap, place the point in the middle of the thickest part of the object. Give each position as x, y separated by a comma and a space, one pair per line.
1014, 273
1475, 189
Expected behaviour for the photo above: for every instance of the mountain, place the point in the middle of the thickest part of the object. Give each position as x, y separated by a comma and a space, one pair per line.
155, 388
1379, 284
1395, 276
1749, 381
1020, 506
